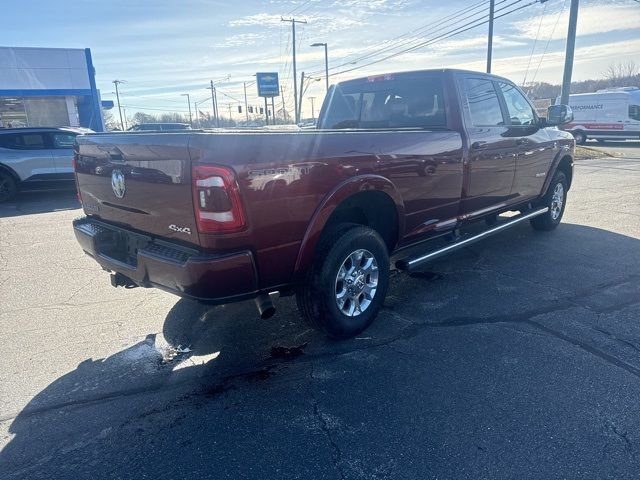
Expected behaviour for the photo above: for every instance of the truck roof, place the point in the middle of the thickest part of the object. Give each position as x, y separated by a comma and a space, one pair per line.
427, 71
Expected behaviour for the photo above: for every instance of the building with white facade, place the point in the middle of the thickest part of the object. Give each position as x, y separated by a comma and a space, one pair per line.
48, 87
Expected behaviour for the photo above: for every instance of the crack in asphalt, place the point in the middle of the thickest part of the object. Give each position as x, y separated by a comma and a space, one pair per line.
337, 460
409, 332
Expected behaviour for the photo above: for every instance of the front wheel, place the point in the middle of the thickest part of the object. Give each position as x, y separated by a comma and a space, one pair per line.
347, 284
580, 137
555, 199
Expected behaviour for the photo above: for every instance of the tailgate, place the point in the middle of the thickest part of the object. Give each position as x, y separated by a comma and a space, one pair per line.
139, 181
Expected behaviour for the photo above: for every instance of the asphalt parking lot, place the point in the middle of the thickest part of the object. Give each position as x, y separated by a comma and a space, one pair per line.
516, 358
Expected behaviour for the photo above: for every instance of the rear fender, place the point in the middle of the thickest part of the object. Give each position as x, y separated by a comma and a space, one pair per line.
329, 204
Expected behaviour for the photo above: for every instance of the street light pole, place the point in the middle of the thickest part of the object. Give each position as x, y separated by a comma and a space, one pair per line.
116, 83
568, 57
295, 74
189, 103
313, 111
326, 61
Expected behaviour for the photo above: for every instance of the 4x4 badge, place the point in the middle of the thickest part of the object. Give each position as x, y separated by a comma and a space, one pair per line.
117, 183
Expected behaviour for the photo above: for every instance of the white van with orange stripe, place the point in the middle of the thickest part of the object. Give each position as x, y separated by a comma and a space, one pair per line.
612, 114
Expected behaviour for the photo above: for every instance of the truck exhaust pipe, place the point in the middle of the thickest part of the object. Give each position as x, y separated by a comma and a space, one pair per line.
266, 309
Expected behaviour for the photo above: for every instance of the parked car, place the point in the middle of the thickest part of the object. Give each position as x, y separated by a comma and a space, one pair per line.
36, 159
611, 114
397, 161
162, 127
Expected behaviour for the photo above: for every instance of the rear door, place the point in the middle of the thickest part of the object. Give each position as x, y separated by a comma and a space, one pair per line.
534, 148
27, 153
62, 151
492, 150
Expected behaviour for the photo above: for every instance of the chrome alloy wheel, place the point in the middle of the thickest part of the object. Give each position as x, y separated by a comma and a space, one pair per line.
556, 201
356, 283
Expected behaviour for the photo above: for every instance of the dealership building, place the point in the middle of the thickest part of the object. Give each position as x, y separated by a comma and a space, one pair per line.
48, 87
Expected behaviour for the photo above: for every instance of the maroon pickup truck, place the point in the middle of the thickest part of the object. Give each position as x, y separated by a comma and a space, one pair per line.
395, 162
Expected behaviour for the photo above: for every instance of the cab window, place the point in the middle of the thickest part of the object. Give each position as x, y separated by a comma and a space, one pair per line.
520, 111
634, 112
482, 99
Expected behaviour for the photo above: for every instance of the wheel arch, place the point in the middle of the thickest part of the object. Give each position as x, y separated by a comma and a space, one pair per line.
563, 162
370, 200
10, 171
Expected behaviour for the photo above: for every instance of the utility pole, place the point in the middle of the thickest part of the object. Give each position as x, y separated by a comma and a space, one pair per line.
188, 103
246, 106
313, 111
568, 57
116, 83
284, 112
295, 78
214, 102
299, 106
492, 5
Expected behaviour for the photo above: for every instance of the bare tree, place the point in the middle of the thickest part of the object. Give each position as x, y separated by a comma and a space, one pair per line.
621, 74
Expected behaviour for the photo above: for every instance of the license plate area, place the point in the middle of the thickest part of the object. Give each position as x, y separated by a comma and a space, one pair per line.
121, 246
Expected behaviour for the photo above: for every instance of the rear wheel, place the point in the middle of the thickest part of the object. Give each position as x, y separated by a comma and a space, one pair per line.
8, 186
347, 284
580, 136
555, 199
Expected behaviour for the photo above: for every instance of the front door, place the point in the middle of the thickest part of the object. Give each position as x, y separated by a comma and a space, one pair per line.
492, 151
535, 149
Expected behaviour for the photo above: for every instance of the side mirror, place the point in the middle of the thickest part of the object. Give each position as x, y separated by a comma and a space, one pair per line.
559, 115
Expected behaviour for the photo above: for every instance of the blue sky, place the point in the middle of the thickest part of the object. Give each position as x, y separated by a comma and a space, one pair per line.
164, 48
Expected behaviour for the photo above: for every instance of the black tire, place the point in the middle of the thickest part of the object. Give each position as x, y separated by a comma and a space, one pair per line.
551, 219
580, 136
317, 297
8, 186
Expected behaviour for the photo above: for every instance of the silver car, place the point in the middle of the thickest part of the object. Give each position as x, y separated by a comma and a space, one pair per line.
36, 158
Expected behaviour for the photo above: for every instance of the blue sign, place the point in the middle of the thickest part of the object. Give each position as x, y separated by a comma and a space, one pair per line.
268, 85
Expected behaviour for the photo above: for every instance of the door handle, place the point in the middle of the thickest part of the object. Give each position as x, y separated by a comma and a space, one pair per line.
522, 141
479, 145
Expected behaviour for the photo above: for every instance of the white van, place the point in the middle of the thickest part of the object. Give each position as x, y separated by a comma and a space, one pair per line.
612, 114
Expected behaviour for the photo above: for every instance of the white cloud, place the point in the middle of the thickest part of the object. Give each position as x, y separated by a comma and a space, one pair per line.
591, 20
259, 19
242, 39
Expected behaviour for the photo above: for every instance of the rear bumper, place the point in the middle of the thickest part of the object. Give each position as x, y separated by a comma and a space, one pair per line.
151, 262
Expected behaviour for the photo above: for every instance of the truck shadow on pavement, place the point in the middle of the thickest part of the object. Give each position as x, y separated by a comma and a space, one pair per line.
29, 203
165, 406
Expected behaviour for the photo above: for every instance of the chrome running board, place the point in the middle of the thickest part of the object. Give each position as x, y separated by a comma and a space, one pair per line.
410, 263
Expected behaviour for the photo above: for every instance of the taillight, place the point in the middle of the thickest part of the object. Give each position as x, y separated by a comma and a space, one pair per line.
216, 200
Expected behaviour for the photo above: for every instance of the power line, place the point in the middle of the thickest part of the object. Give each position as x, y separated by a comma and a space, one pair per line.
415, 34
534, 44
457, 31
564, 5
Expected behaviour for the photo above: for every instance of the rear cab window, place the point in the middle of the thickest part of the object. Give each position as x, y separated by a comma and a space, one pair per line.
386, 101
634, 112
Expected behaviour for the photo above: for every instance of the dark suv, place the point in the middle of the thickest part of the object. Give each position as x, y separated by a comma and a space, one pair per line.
36, 158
